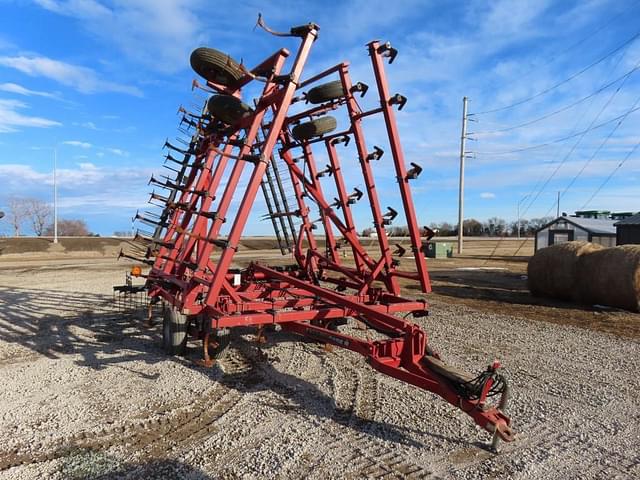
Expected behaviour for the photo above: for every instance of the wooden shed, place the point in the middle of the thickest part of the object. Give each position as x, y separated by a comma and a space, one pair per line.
567, 229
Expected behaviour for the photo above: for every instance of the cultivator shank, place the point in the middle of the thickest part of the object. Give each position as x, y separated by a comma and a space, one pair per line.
288, 147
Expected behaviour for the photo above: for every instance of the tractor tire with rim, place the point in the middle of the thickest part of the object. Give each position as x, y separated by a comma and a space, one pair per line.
325, 92
228, 108
314, 128
174, 331
223, 337
215, 66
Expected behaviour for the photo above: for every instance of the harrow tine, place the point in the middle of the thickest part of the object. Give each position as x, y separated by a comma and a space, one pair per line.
151, 241
376, 154
184, 111
327, 171
136, 259
389, 216
355, 196
172, 147
189, 265
160, 198
414, 172
400, 250
172, 169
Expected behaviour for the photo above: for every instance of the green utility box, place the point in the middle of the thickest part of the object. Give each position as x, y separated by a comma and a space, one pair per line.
439, 250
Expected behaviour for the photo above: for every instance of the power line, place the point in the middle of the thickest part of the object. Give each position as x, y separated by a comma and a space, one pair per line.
540, 180
602, 144
560, 110
558, 140
566, 80
582, 135
631, 152
576, 44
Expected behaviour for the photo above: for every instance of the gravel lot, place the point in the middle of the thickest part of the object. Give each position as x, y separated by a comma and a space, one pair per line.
88, 393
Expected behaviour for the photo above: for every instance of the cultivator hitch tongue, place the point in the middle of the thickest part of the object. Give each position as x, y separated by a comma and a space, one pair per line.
242, 146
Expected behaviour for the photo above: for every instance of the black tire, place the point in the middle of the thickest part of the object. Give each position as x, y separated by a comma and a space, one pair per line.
223, 337
325, 92
174, 331
215, 66
315, 128
228, 108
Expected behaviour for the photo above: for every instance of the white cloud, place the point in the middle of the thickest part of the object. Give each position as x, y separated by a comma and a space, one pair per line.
507, 17
89, 125
117, 151
79, 7
487, 195
84, 189
20, 90
87, 166
77, 143
11, 118
83, 79
158, 34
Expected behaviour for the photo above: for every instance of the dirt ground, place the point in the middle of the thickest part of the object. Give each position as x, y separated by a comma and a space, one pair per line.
88, 393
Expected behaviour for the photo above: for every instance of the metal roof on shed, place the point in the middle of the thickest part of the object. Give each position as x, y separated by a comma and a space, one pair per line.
598, 226
633, 220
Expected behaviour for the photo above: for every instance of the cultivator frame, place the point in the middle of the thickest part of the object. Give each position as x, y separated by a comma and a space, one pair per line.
316, 295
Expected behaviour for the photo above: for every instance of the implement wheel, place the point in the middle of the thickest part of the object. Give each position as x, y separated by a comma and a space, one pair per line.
174, 331
215, 66
325, 92
315, 128
228, 108
223, 336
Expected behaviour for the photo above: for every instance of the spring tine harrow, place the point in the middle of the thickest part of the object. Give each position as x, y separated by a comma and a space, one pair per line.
274, 151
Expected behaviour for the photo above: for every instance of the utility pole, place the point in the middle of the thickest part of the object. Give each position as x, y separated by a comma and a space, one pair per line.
463, 138
558, 209
55, 195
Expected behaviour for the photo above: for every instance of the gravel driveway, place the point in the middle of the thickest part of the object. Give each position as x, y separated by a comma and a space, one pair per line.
88, 393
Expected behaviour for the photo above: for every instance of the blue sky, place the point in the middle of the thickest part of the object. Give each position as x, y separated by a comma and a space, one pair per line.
103, 80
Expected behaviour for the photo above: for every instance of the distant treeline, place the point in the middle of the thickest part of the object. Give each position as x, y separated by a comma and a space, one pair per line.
493, 227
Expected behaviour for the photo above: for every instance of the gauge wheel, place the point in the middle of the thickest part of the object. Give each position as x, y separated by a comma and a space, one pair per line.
174, 331
228, 108
314, 128
215, 66
326, 92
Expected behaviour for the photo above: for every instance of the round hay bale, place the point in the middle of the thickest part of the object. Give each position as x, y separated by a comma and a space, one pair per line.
611, 277
552, 271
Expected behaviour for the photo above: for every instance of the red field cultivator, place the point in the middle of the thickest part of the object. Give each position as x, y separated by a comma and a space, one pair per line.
273, 144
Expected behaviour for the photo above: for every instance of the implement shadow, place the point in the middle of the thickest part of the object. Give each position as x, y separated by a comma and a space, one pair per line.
57, 323
303, 395
492, 285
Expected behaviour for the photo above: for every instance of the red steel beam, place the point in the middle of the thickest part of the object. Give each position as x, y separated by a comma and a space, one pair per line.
265, 153
369, 180
398, 161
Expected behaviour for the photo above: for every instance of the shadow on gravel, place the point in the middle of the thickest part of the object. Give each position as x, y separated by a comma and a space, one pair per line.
500, 286
87, 326
54, 323
305, 396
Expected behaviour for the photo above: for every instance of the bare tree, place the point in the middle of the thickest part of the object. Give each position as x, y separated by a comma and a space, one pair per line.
18, 213
39, 213
70, 228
